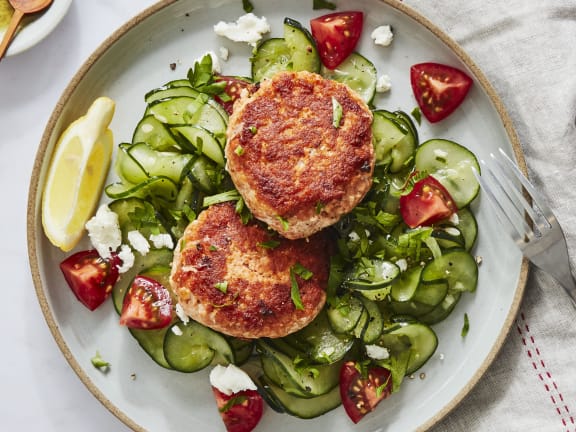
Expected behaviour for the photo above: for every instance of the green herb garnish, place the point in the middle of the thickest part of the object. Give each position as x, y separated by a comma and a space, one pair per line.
466, 326
247, 6
284, 222
231, 195
336, 113
221, 286
323, 4
99, 363
270, 244
233, 401
417, 114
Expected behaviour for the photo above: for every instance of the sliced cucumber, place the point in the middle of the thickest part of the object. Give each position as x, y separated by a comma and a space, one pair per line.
159, 187
154, 133
270, 57
294, 377
458, 268
319, 342
300, 43
198, 139
372, 274
358, 73
394, 141
451, 164
344, 314
136, 163
405, 286
193, 347
430, 293
175, 111
170, 92
305, 408
375, 323
444, 309
417, 338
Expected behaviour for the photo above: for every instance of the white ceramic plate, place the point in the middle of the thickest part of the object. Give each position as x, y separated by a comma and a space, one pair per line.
37, 27
136, 59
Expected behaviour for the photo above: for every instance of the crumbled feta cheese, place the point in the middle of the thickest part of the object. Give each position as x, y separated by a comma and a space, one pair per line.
353, 236
382, 35
402, 264
162, 241
377, 352
230, 379
383, 84
176, 330
138, 242
127, 257
439, 153
224, 53
104, 231
454, 219
181, 314
452, 231
248, 28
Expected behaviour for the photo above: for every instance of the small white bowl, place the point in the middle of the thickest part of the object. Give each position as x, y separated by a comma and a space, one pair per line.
33, 32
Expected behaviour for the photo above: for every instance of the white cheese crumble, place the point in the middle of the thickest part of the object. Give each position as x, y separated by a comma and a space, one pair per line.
230, 379
452, 231
162, 241
181, 314
382, 35
377, 352
402, 264
176, 330
439, 153
248, 28
104, 231
138, 242
454, 219
127, 257
383, 84
224, 53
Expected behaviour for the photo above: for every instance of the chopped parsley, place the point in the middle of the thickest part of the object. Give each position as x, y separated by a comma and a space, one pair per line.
99, 363
466, 326
270, 244
233, 401
221, 286
247, 6
417, 114
301, 271
336, 113
239, 150
323, 4
284, 222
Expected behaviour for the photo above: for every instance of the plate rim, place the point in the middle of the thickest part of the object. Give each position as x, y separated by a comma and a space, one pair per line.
47, 140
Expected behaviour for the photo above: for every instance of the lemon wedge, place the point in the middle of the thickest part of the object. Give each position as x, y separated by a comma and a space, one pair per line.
76, 175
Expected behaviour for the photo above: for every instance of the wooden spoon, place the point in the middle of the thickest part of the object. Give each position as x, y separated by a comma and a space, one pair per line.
21, 7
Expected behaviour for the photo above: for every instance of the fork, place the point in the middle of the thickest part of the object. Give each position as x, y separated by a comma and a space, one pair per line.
529, 220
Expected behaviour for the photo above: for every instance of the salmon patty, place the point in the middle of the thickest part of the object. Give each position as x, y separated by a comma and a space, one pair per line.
300, 152
238, 278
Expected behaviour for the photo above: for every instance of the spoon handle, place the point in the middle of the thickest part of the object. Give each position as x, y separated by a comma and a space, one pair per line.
10, 31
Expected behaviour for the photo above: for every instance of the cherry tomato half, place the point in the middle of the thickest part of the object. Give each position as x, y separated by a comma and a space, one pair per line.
147, 305
428, 202
439, 89
240, 411
336, 35
233, 90
361, 392
90, 276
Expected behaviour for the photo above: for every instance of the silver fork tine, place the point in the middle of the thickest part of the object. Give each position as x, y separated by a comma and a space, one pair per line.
543, 213
509, 216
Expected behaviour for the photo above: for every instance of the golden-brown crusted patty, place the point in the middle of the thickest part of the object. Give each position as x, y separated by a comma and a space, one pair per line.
236, 278
295, 169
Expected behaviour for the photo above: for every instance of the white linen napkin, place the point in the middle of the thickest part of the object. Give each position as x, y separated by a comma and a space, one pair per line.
527, 49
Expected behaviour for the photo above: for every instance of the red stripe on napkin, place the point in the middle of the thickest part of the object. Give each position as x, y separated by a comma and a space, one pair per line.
544, 375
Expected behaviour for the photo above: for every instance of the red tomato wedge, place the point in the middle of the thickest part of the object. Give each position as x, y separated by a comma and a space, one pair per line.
428, 202
439, 89
233, 90
240, 411
147, 305
90, 276
361, 392
336, 35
